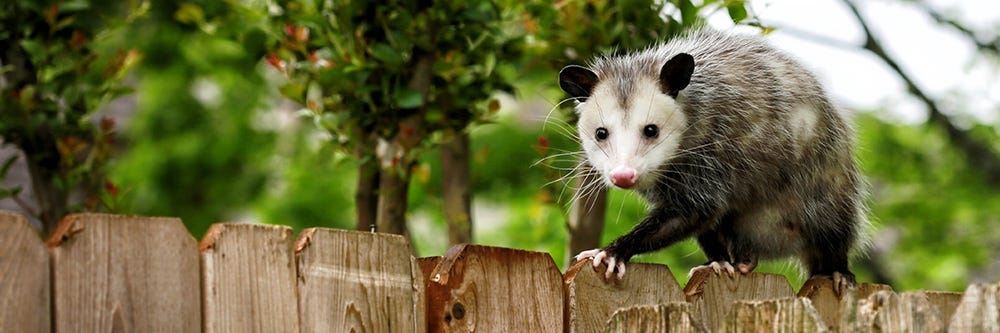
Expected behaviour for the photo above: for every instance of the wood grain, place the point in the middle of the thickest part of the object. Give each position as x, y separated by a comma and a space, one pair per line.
591, 300
674, 317
946, 302
979, 310
713, 295
24, 277
115, 273
248, 276
791, 315
427, 266
490, 289
351, 281
828, 304
886, 311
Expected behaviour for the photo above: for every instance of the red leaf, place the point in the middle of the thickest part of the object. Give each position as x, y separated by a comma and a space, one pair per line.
302, 34
78, 40
107, 124
543, 145
53, 13
407, 131
111, 188
276, 62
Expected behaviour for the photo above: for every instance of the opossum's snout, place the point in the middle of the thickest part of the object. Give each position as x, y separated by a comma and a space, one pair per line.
624, 177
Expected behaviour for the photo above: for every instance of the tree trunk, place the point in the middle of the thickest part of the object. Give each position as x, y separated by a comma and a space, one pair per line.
456, 188
395, 156
366, 193
392, 197
52, 203
586, 220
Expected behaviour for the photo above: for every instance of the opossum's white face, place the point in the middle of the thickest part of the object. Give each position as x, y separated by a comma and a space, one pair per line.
628, 142
630, 124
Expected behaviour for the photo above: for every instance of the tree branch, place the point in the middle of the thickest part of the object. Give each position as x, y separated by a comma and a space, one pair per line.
986, 46
977, 153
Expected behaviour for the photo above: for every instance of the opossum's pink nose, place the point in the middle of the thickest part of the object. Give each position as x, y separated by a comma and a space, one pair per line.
624, 177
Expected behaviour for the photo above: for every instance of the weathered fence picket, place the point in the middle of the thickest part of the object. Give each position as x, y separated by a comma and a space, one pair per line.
713, 294
478, 288
673, 317
979, 310
113, 273
24, 277
351, 281
791, 315
591, 299
248, 277
829, 305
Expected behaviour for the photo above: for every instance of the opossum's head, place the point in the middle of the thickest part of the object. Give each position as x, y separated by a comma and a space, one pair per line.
630, 123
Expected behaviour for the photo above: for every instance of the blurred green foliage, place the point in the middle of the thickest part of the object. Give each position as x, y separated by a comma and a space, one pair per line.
195, 149
60, 62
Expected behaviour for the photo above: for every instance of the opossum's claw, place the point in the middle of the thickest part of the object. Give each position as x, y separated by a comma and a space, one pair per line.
716, 266
599, 256
587, 254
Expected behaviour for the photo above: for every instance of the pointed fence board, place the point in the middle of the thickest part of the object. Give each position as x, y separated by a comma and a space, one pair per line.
489, 289
674, 317
713, 294
352, 281
591, 299
24, 277
115, 273
979, 310
828, 304
791, 315
248, 273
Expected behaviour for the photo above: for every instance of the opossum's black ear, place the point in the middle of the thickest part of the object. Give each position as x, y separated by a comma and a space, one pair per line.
577, 81
676, 74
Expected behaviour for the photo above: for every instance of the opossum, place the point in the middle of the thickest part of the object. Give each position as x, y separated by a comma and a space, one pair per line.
729, 141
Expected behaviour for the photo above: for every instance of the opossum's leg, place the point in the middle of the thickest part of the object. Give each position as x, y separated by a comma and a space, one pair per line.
715, 246
745, 259
659, 229
827, 249
831, 265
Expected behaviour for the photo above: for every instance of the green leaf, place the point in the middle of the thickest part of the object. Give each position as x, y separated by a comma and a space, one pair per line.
689, 13
34, 48
9, 192
407, 98
737, 10
189, 13
6, 166
387, 54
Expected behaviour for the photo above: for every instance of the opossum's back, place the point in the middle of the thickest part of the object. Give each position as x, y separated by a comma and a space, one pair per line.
744, 90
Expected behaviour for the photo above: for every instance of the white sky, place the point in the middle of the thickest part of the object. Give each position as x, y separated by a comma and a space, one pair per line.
942, 62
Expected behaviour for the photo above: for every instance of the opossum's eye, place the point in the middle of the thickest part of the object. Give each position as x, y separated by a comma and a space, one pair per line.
602, 133
651, 131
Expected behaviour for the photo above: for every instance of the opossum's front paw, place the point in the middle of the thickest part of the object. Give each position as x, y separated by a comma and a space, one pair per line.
716, 266
599, 256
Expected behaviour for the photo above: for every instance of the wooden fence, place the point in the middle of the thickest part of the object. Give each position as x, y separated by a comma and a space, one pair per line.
111, 273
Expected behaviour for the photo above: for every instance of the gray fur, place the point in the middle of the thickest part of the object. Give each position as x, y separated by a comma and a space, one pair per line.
764, 168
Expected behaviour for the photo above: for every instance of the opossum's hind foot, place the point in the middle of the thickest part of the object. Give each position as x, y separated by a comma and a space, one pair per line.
746, 265
599, 256
716, 266
842, 282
